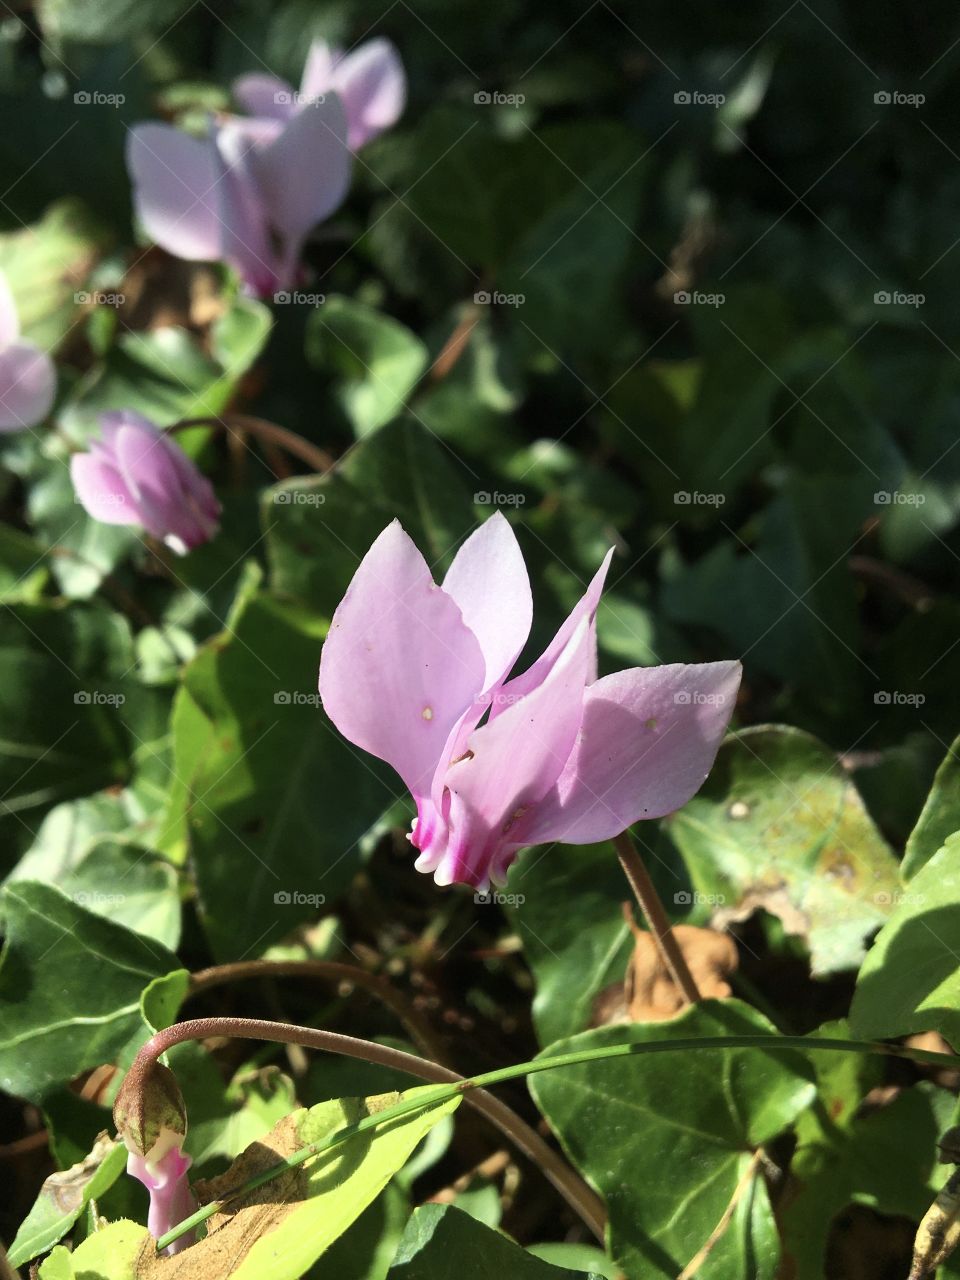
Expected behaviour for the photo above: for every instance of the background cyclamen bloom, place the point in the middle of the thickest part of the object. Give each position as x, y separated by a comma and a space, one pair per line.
369, 81
249, 193
137, 475
28, 380
409, 669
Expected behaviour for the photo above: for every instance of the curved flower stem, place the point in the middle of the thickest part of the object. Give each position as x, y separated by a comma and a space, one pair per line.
316, 459
416, 1026
581, 1198
655, 916
442, 1093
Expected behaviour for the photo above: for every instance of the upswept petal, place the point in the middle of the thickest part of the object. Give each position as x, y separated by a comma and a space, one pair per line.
28, 384
304, 173
264, 95
489, 582
244, 214
647, 742
317, 79
175, 190
586, 607
399, 664
373, 86
511, 763
102, 490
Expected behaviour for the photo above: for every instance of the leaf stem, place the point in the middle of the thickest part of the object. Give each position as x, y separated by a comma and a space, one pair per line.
656, 917
444, 1092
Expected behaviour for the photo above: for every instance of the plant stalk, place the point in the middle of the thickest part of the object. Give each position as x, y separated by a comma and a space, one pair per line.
315, 458
581, 1198
442, 1093
655, 916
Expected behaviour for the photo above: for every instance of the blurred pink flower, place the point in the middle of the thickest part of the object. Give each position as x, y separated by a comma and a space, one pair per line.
137, 475
164, 1173
409, 669
369, 81
28, 379
250, 191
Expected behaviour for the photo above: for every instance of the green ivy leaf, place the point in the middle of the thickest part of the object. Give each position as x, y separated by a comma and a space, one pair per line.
64, 1196
940, 817
373, 359
317, 530
123, 882
62, 692
444, 1243
883, 1157
578, 952
84, 976
277, 1231
43, 264
778, 826
910, 980
270, 797
108, 1254
667, 1141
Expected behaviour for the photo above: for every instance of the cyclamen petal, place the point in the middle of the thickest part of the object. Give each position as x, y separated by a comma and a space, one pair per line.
28, 384
372, 84
399, 666
511, 763
171, 1199
264, 95
28, 379
562, 755
176, 190
647, 741
489, 581
137, 475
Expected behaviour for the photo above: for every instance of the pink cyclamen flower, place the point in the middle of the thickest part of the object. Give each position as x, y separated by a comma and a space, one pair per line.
369, 81
250, 191
163, 1171
409, 669
28, 380
137, 475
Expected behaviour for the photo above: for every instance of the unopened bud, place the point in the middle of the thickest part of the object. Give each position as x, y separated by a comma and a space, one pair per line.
149, 1111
